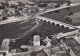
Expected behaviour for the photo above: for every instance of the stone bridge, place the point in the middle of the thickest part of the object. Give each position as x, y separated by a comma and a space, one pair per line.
54, 22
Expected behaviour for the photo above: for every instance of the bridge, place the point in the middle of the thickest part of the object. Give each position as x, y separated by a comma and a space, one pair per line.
54, 22
51, 10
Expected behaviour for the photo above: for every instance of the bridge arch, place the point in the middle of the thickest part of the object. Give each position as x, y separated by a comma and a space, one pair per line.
57, 25
62, 26
41, 19
45, 21
49, 22
68, 8
57, 11
53, 23
67, 28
